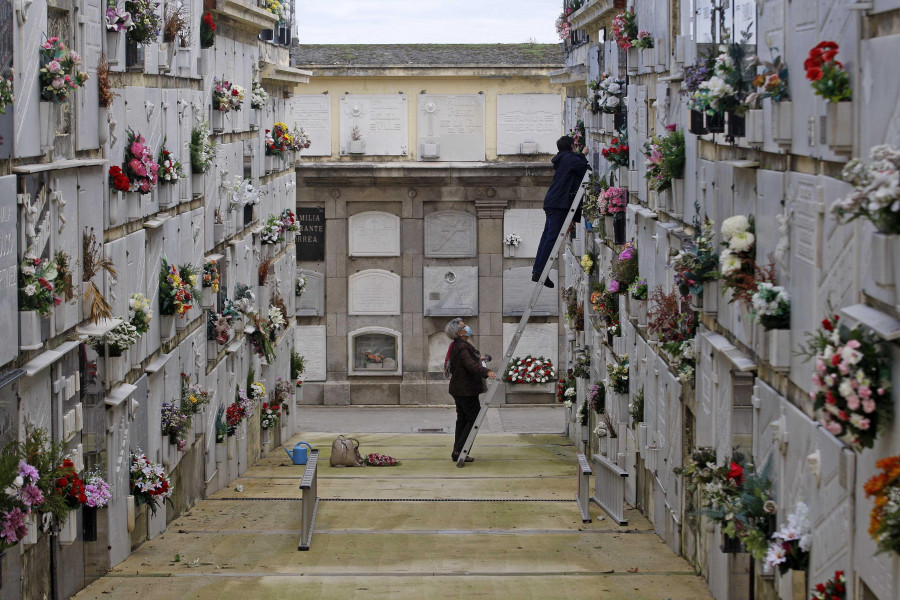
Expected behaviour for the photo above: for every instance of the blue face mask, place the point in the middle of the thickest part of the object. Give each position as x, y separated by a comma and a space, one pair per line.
468, 331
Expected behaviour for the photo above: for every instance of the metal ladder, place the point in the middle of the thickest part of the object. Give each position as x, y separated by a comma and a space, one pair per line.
508, 355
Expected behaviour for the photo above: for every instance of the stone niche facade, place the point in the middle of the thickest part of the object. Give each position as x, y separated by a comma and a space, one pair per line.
404, 253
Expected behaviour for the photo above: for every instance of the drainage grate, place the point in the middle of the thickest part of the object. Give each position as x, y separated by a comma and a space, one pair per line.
432, 430
400, 499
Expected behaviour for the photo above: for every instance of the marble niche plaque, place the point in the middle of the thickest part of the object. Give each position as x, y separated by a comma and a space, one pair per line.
450, 128
312, 113
378, 122
9, 282
309, 342
451, 291
312, 302
373, 292
528, 223
517, 290
450, 234
528, 123
538, 339
374, 234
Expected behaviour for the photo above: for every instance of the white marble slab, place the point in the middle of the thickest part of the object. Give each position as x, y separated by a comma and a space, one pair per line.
517, 291
382, 121
374, 234
450, 234
528, 223
312, 112
450, 291
373, 292
528, 118
450, 128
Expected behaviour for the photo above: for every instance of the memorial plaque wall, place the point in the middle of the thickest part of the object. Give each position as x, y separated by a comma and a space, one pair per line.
310, 239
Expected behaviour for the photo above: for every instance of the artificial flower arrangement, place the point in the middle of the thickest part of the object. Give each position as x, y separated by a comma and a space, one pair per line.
833, 589
170, 168
851, 382
530, 370
381, 460
211, 275
147, 22
37, 291
665, 159
829, 79
697, 262
577, 134
699, 471
618, 376
789, 546
617, 151
563, 27
675, 328
613, 201
636, 408
596, 397
193, 396
588, 261
638, 289
271, 232
269, 416
218, 327
6, 92
262, 334
605, 427
737, 263
258, 95
117, 341
274, 7
740, 499
566, 390
625, 29
240, 193
203, 150
24, 493
139, 313
149, 483
175, 424
139, 166
227, 96
695, 74
238, 411
624, 269
300, 140
581, 365
876, 190
278, 139
771, 306
726, 87
574, 309
609, 93
298, 367
276, 319
512, 239
207, 31
176, 295
604, 302
96, 490
117, 18
289, 221
773, 81
884, 520
59, 73
300, 285
244, 299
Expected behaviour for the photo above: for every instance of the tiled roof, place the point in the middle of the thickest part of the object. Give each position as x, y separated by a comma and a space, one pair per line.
410, 55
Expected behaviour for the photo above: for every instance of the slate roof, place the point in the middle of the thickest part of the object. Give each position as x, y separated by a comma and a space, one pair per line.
411, 55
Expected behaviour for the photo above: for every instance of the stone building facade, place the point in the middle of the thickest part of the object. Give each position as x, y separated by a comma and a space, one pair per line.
423, 159
55, 189
749, 388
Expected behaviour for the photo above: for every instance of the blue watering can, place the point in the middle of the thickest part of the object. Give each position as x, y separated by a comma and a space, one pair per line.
300, 455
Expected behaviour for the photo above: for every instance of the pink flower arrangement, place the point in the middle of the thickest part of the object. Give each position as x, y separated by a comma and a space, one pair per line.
850, 383
139, 167
616, 199
97, 491
59, 73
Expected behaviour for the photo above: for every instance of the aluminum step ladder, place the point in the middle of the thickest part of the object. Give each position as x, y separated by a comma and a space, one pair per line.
508, 355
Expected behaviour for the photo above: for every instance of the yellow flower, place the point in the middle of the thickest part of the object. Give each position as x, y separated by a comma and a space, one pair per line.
193, 398
193, 279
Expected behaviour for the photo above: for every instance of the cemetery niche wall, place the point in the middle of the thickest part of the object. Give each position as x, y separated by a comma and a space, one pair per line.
729, 259
147, 260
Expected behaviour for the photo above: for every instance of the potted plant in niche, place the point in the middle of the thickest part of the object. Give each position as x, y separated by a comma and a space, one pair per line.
258, 100
357, 143
112, 348
36, 298
625, 32
510, 243
59, 77
772, 309
772, 83
831, 82
169, 175
147, 25
203, 153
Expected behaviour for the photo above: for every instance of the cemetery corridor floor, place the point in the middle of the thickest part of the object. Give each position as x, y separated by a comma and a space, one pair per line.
505, 526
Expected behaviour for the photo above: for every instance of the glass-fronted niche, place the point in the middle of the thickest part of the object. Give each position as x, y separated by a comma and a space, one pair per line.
374, 351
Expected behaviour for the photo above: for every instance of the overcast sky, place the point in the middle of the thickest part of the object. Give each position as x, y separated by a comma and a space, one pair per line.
427, 21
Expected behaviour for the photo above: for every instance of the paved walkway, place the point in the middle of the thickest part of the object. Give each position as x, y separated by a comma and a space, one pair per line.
505, 526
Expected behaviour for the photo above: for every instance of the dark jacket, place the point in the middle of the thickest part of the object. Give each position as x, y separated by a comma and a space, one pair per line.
569, 169
466, 373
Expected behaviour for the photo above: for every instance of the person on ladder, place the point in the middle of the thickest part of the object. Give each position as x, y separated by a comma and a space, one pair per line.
569, 169
467, 372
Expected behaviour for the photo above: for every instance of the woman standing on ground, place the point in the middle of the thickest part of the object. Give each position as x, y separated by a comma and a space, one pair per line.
467, 375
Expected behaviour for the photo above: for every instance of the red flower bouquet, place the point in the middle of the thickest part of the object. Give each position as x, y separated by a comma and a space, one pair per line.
829, 79
617, 153
70, 486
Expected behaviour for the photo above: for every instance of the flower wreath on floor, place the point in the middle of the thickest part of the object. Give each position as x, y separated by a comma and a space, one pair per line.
381, 460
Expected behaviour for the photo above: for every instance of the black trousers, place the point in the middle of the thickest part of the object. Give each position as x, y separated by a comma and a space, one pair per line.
467, 408
553, 223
